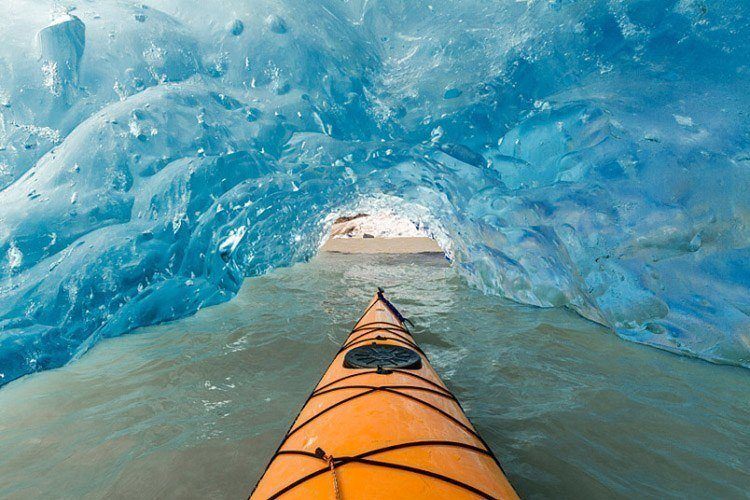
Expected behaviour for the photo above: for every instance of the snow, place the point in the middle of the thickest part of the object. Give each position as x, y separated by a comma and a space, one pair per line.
584, 156
379, 225
685, 121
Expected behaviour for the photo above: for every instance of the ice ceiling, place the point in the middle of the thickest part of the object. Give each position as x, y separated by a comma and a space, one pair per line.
593, 155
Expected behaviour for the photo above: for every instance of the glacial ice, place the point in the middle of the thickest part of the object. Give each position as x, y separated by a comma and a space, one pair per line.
61, 46
589, 155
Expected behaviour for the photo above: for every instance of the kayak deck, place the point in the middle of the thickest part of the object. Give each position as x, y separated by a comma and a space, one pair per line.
381, 424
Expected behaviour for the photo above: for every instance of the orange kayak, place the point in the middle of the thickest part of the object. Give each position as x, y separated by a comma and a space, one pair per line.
381, 424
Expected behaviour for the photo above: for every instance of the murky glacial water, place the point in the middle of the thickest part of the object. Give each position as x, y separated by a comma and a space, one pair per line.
194, 408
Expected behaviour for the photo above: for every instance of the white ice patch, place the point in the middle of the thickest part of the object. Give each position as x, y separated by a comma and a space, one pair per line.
229, 245
14, 256
685, 121
135, 128
45, 133
60, 19
51, 78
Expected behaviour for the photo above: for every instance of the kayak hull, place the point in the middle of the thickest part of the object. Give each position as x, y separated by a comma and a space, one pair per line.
382, 431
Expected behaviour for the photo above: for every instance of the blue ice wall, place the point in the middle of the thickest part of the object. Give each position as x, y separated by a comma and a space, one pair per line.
593, 155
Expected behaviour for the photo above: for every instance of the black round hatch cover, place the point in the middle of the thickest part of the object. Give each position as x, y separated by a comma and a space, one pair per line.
384, 356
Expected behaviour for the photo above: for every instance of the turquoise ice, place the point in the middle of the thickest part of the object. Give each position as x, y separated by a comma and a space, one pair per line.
589, 155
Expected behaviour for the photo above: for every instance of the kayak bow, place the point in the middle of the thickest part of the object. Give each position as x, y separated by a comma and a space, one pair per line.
381, 424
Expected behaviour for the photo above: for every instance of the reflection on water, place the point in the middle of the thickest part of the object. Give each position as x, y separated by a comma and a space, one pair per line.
195, 408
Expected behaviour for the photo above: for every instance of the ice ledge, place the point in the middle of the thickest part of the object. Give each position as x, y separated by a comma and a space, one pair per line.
381, 245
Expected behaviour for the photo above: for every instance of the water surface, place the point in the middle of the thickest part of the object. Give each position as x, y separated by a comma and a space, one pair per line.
194, 408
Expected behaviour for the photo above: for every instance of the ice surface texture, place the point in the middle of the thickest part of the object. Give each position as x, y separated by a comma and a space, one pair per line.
593, 155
